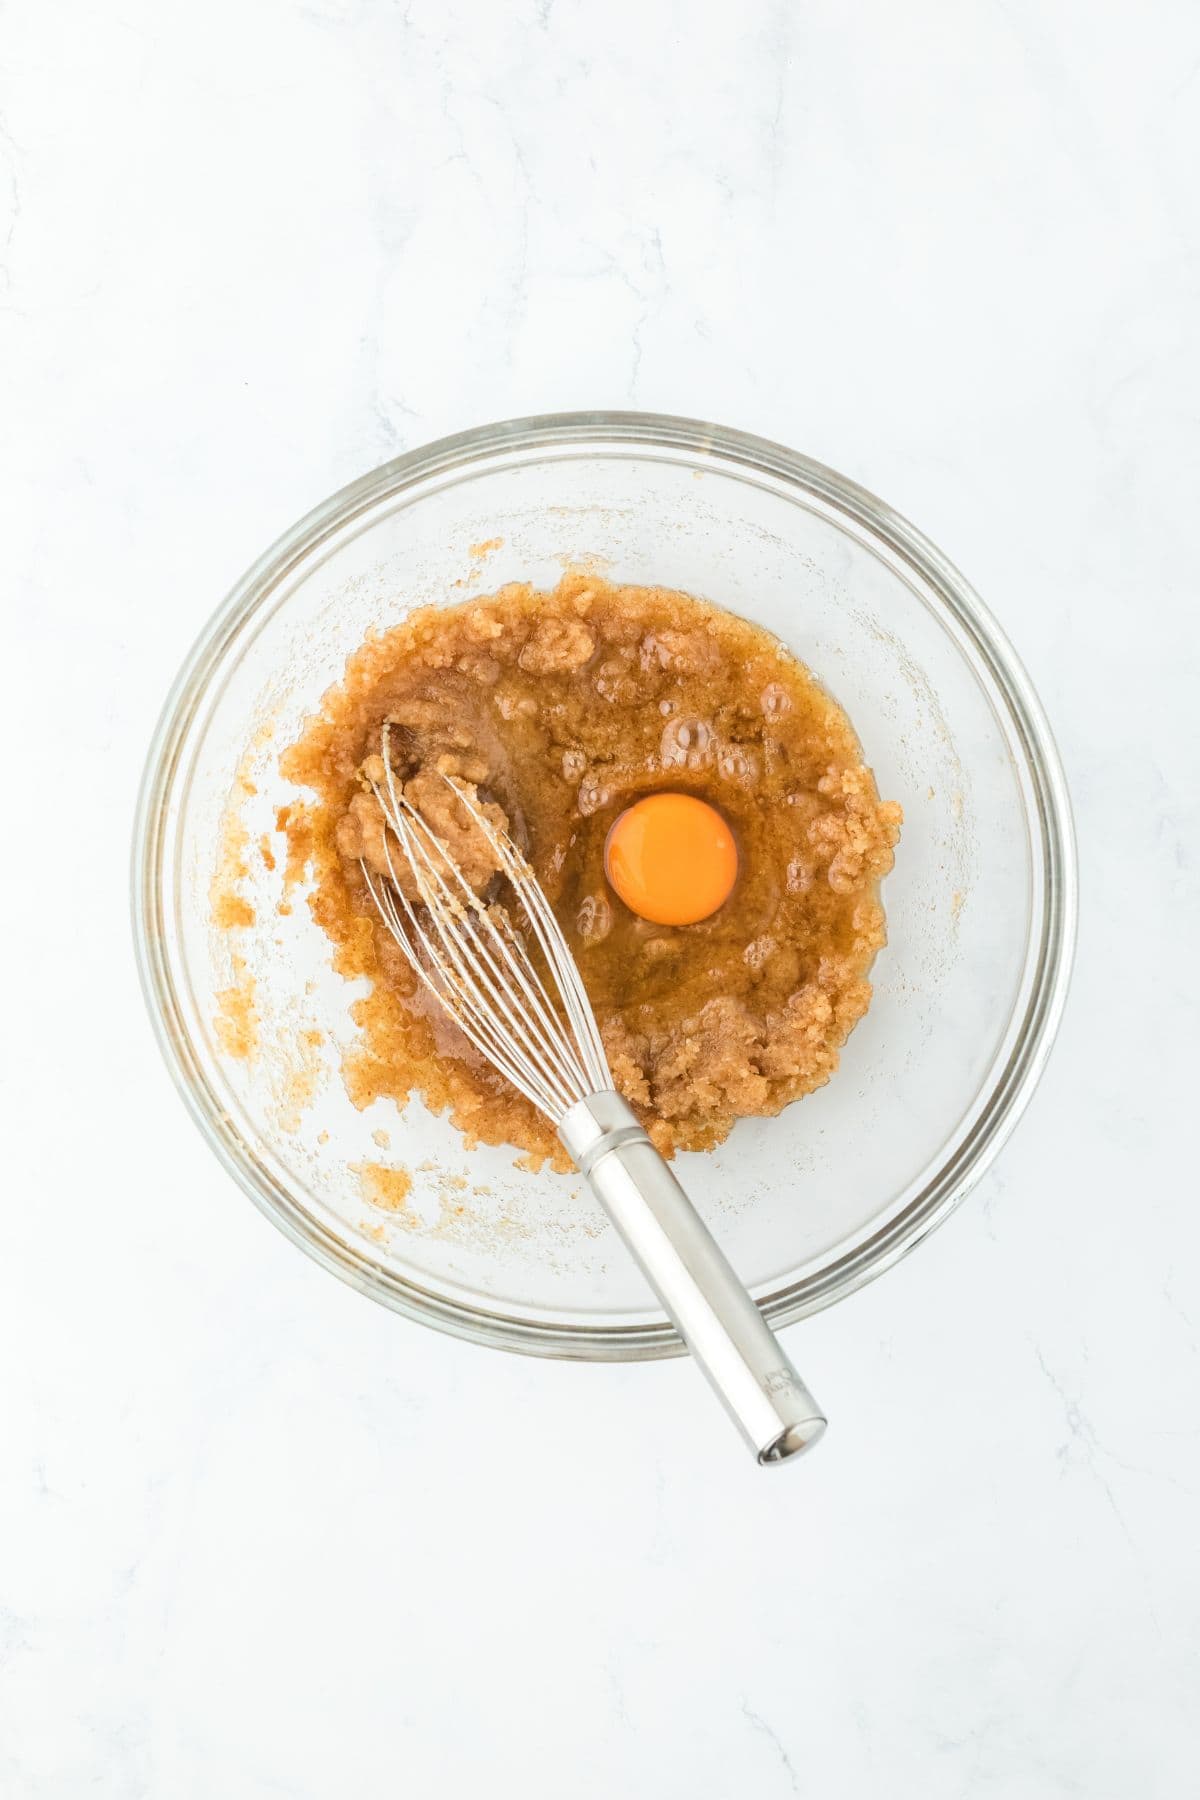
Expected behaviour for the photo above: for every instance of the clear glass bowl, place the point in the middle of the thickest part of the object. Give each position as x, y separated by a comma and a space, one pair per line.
981, 906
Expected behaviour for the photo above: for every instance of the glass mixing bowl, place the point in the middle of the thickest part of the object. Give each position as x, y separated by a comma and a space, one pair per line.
981, 906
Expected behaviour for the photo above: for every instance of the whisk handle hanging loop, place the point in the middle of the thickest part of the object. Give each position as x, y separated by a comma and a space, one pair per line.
712, 1311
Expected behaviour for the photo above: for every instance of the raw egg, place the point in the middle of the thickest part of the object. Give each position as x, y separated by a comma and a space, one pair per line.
672, 859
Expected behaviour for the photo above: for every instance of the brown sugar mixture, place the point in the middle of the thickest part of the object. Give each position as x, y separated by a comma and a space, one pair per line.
556, 711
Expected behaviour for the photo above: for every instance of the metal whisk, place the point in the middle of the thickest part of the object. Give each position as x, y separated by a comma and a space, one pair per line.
475, 961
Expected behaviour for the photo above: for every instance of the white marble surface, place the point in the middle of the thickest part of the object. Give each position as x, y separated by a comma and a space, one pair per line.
260, 1538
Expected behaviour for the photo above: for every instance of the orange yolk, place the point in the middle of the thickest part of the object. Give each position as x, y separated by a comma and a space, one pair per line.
672, 859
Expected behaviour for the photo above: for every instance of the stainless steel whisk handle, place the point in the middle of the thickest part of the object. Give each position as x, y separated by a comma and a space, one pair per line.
683, 1263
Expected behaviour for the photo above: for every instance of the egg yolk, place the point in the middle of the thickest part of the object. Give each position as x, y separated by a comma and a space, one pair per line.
672, 859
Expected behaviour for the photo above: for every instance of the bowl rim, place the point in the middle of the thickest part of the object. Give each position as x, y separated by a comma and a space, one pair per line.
1052, 822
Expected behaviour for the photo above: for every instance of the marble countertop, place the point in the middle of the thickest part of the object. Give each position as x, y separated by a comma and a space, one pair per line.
262, 1538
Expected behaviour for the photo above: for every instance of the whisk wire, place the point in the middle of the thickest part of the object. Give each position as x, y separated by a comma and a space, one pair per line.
416, 835
474, 964
553, 946
469, 957
508, 1059
477, 923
